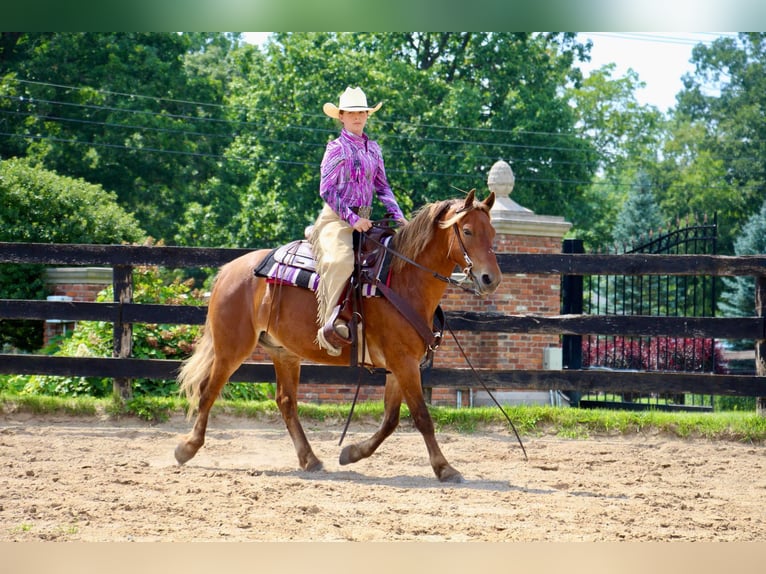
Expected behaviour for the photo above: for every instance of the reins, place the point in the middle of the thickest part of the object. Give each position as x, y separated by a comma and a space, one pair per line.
449, 280
478, 378
468, 271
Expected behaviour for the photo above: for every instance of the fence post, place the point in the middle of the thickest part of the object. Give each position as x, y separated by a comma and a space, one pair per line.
572, 304
760, 344
122, 280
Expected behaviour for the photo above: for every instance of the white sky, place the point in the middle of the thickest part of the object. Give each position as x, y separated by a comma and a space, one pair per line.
659, 58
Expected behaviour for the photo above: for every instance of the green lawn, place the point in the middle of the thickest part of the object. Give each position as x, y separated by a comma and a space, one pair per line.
528, 420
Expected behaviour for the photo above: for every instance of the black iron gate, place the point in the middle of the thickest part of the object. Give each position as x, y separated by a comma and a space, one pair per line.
651, 295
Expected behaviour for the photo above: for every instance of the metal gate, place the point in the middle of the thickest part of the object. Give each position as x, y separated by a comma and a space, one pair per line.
675, 296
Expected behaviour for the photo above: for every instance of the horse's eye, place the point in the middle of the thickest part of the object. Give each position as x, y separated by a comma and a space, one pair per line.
467, 232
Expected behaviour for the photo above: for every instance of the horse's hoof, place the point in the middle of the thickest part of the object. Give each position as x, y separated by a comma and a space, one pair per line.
183, 453
348, 455
451, 475
314, 466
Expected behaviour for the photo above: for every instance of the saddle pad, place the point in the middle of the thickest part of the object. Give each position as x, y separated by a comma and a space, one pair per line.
290, 264
294, 264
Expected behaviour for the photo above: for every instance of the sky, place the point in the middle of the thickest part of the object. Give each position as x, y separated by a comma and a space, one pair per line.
659, 58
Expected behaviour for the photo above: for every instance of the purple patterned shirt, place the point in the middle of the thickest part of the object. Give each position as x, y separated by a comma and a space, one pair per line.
352, 169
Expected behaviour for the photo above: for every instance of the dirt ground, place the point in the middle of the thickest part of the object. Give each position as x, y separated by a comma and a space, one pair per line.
85, 479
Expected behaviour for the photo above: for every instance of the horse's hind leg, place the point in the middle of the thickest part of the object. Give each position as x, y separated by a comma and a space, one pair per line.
288, 369
392, 402
209, 391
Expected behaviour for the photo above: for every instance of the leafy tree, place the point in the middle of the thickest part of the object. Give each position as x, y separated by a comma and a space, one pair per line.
41, 206
626, 135
454, 104
640, 215
720, 120
738, 297
139, 113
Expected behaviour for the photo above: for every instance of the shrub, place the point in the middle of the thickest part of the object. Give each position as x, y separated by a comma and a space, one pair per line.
654, 354
150, 341
41, 206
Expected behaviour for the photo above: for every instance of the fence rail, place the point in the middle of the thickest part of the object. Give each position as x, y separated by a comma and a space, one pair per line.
122, 313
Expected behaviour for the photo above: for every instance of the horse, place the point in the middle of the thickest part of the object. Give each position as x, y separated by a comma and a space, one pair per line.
246, 310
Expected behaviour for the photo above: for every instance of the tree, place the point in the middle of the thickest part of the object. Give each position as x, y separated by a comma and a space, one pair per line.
640, 215
721, 119
43, 207
138, 113
738, 297
626, 136
453, 104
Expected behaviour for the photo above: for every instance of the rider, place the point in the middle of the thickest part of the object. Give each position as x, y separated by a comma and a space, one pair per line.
352, 169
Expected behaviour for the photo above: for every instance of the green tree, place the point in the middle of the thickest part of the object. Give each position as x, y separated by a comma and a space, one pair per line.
640, 215
139, 113
738, 297
627, 137
41, 206
626, 133
721, 120
453, 104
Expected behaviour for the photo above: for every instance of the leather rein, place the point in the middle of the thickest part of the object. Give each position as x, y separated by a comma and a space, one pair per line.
431, 339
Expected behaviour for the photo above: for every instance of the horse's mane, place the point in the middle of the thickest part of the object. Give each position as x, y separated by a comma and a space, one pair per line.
418, 232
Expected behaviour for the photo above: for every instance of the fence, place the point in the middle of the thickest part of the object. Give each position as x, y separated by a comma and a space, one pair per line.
656, 296
571, 266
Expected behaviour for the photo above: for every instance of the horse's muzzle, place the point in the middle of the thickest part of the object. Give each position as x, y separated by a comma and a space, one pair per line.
486, 283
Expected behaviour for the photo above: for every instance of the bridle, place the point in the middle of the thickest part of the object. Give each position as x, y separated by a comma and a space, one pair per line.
467, 270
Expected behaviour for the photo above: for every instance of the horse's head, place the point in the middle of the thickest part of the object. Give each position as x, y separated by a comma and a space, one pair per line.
471, 246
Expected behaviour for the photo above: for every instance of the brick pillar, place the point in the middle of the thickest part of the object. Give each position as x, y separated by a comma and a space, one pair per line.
78, 283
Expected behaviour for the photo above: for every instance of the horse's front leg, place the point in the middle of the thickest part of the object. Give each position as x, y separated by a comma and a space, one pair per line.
410, 385
288, 370
392, 401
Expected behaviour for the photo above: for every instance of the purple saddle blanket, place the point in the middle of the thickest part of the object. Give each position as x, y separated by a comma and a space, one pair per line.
294, 264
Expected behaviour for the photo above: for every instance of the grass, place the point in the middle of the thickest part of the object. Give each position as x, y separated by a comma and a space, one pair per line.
528, 420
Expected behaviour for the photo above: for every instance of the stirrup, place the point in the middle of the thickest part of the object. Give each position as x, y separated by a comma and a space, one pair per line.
336, 331
324, 344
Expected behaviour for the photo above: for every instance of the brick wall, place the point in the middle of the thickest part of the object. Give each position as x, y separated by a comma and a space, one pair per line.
518, 294
79, 283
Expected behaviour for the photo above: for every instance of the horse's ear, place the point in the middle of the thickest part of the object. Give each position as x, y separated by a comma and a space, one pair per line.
490, 201
468, 204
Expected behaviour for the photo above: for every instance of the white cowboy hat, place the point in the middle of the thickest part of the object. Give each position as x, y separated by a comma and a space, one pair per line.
352, 100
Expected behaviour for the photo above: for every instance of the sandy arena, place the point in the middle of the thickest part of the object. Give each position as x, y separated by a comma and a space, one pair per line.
85, 479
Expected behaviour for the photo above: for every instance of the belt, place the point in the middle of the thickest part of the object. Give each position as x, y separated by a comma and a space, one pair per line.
364, 211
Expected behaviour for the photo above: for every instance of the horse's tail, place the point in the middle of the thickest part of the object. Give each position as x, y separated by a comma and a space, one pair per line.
195, 371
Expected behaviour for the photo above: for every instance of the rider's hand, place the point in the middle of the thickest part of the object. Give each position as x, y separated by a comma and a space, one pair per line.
362, 224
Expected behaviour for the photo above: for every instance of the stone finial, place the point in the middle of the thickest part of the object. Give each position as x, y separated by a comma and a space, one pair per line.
509, 217
501, 179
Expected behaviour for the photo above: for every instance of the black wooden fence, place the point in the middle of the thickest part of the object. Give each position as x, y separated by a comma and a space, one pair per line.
655, 295
571, 266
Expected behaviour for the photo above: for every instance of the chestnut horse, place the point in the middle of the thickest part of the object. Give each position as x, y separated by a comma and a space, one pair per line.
246, 310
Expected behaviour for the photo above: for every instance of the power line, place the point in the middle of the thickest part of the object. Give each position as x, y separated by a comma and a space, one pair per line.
315, 166
658, 38
263, 111
249, 125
